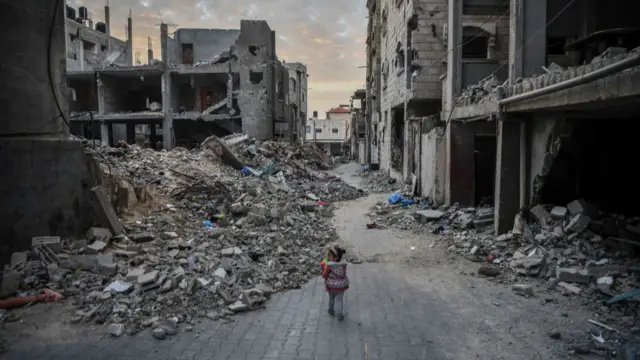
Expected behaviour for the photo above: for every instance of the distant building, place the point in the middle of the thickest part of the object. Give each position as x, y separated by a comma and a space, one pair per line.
331, 132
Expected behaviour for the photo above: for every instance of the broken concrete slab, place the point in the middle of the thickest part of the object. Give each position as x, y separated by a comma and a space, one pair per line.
573, 275
142, 237
522, 290
106, 265
148, 278
104, 212
53, 242
96, 247
428, 215
99, 234
559, 213
578, 223
580, 206
541, 214
569, 287
529, 265
116, 330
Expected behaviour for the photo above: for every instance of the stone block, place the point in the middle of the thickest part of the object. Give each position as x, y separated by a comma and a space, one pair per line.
104, 212
522, 290
106, 265
541, 214
578, 223
142, 237
148, 278
577, 207
559, 213
11, 281
133, 274
99, 234
573, 275
83, 262
53, 242
96, 247
428, 215
570, 287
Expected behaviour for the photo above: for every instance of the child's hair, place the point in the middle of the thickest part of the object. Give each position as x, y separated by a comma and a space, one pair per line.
337, 252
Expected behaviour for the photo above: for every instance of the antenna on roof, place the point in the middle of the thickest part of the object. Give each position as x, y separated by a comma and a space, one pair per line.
163, 23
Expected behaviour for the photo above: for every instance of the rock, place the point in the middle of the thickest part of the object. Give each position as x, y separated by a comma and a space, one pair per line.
428, 215
106, 265
573, 275
529, 265
604, 284
159, 333
308, 206
99, 234
220, 273
559, 213
281, 251
96, 247
133, 274
238, 306
148, 278
578, 207
231, 251
541, 214
116, 329
489, 271
569, 287
578, 224
523, 290
169, 235
142, 237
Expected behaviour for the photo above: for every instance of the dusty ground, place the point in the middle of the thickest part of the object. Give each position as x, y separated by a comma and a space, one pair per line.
404, 303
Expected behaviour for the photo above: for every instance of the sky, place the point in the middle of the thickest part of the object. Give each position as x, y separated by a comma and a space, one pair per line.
326, 35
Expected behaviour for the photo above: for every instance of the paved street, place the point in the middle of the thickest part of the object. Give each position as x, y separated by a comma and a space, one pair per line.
411, 304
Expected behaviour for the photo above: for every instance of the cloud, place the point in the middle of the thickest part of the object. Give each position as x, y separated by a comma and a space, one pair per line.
328, 36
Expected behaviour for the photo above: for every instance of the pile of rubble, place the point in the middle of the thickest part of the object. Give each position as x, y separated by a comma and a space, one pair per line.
200, 239
379, 182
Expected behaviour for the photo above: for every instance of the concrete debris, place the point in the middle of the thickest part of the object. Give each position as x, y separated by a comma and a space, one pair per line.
523, 290
379, 182
201, 239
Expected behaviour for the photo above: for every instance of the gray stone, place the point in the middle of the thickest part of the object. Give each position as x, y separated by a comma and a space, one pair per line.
220, 273
116, 329
159, 333
541, 214
604, 284
578, 223
18, 260
308, 206
142, 237
559, 212
96, 247
257, 219
281, 251
231, 251
148, 278
11, 280
83, 262
134, 273
522, 290
173, 253
169, 235
428, 215
238, 306
53, 242
580, 206
99, 234
570, 287
573, 275
529, 265
106, 265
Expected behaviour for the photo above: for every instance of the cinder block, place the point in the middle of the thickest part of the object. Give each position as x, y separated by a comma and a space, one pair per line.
53, 242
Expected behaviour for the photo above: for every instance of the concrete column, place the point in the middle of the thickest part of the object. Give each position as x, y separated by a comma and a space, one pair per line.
507, 185
461, 175
80, 53
130, 39
528, 19
454, 57
167, 123
164, 51
149, 51
107, 19
524, 155
131, 133
153, 138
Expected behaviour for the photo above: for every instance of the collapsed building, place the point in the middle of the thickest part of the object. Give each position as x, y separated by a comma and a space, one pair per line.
207, 81
524, 95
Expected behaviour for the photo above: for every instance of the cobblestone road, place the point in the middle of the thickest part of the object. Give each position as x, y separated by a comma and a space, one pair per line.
395, 310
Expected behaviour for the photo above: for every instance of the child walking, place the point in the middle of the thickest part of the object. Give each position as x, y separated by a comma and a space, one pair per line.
336, 281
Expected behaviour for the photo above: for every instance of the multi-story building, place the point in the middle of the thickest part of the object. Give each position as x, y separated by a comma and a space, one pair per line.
297, 100
218, 81
562, 120
372, 112
329, 133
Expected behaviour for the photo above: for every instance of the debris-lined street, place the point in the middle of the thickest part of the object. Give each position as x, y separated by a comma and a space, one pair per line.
409, 299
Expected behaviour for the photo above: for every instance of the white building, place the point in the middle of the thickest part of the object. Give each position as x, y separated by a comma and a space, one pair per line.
329, 133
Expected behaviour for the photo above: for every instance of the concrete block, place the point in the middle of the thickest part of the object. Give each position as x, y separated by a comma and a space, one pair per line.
541, 214
522, 290
570, 287
104, 211
580, 206
106, 265
53, 242
148, 278
573, 275
134, 274
428, 215
559, 213
578, 223
97, 233
84, 262
18, 260
96, 247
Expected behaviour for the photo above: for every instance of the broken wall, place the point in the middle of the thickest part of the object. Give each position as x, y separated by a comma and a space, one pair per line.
86, 95
207, 43
257, 77
125, 94
432, 170
186, 90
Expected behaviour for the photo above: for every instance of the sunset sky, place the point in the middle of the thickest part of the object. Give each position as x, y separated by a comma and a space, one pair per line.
326, 35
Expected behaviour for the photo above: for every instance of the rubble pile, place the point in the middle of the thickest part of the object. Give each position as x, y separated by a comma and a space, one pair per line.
217, 242
483, 91
379, 182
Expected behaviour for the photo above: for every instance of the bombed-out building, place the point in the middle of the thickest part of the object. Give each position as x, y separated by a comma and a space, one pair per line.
207, 81
537, 101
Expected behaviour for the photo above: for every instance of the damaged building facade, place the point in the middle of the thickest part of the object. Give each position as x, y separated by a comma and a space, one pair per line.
561, 115
207, 81
408, 53
537, 100
296, 101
